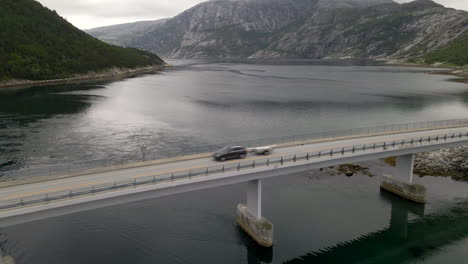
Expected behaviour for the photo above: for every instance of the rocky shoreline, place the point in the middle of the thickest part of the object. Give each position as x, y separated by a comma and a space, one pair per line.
112, 74
450, 162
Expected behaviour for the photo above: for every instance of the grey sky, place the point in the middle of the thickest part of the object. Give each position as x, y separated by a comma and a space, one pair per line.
86, 14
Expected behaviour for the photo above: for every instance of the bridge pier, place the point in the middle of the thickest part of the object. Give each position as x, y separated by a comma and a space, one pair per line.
249, 217
402, 183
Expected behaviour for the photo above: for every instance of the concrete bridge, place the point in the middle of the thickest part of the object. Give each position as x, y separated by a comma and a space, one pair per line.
55, 197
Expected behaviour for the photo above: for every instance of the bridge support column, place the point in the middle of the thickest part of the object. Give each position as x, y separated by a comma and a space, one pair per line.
249, 217
6, 259
402, 183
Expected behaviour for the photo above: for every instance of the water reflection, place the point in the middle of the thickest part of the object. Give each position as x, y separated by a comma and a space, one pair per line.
402, 241
256, 254
197, 103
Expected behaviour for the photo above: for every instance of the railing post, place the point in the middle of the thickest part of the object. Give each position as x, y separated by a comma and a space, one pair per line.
412, 140
70, 193
223, 168
307, 157
403, 143
331, 152
172, 177
453, 135
354, 149
253, 164
364, 148
437, 138
460, 135
134, 183
154, 179
445, 137
206, 171
320, 154
342, 151
420, 140
190, 174
268, 162
238, 166
295, 158
384, 145
393, 143
282, 162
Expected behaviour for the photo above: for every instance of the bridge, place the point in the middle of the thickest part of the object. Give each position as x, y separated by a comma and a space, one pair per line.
113, 185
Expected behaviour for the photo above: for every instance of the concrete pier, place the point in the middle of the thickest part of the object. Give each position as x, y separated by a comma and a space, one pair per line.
249, 217
404, 167
411, 191
402, 183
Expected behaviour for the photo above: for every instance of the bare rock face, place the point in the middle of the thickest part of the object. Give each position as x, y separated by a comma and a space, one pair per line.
121, 34
305, 29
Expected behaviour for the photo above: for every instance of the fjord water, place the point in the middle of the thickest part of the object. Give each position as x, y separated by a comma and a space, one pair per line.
202, 103
318, 218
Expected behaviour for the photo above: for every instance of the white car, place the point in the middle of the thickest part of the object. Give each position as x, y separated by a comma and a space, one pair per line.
262, 150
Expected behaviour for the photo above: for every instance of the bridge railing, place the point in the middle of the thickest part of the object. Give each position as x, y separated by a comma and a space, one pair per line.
70, 168
10, 203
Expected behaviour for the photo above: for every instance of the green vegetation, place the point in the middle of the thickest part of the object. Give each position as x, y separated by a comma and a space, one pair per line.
455, 53
37, 44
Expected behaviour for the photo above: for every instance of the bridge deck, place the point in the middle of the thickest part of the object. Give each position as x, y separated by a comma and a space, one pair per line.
174, 167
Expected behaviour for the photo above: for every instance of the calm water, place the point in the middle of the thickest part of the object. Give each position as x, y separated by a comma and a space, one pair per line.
318, 218
196, 103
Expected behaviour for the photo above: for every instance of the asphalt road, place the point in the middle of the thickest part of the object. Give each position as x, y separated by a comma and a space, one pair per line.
134, 173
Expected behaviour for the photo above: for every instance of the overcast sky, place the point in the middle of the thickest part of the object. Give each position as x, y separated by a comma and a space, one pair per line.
86, 14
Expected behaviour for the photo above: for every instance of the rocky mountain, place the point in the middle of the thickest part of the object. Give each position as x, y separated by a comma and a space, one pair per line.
313, 29
121, 34
37, 44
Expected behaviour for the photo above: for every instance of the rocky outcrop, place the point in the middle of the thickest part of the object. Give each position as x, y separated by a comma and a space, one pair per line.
305, 29
445, 162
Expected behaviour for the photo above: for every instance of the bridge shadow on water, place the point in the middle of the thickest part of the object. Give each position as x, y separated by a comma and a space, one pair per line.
402, 241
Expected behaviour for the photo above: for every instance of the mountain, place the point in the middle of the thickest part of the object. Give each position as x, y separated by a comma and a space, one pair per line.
37, 44
455, 53
121, 34
313, 29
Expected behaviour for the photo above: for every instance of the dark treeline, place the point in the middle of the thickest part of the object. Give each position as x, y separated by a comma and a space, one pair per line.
37, 44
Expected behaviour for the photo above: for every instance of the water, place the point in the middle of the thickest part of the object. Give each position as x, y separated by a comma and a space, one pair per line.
202, 103
318, 218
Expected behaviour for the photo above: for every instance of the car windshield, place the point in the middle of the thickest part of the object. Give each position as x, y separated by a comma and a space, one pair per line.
225, 149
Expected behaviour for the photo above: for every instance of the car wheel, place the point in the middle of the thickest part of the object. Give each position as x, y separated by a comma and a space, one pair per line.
266, 152
222, 158
242, 156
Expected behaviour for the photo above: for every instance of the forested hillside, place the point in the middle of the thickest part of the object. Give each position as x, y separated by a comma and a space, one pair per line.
37, 44
455, 53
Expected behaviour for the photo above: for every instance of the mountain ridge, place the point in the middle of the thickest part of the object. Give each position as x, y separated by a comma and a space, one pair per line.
315, 29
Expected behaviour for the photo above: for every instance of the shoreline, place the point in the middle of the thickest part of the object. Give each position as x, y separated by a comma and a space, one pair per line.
460, 73
111, 74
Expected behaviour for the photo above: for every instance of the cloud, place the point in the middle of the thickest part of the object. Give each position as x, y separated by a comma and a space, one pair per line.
87, 14
458, 4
